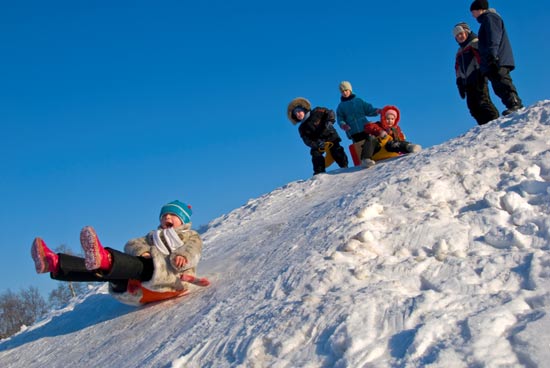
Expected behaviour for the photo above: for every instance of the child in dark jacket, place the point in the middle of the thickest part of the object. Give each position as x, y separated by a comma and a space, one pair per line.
316, 130
471, 83
157, 266
385, 136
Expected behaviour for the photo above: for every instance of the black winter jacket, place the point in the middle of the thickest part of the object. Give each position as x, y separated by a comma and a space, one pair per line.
318, 126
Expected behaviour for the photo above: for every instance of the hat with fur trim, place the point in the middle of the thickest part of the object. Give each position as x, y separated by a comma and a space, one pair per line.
180, 209
297, 102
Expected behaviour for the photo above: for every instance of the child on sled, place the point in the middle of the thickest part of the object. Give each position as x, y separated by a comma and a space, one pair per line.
157, 266
385, 138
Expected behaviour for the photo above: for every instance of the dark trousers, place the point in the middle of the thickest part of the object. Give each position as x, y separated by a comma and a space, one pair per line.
504, 88
479, 102
318, 159
372, 146
124, 267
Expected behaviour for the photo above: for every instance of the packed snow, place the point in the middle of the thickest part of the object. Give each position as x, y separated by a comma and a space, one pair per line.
439, 259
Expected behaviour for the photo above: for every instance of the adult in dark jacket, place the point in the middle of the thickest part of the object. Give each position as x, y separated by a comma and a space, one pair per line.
316, 128
471, 83
497, 59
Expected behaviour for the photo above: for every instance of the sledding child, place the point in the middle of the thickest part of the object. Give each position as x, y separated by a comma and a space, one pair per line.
157, 266
352, 113
385, 136
316, 128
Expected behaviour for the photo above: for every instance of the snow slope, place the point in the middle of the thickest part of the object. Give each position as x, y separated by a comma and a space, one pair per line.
437, 259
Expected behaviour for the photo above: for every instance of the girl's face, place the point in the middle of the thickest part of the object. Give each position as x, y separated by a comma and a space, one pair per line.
300, 115
346, 93
169, 220
461, 37
390, 119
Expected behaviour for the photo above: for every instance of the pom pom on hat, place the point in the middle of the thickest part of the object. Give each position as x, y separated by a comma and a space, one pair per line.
479, 5
345, 86
461, 27
180, 209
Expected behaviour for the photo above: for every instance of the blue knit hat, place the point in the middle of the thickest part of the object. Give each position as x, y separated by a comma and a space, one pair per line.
179, 209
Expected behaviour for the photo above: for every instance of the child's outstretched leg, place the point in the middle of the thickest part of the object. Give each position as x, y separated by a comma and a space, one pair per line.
44, 259
95, 255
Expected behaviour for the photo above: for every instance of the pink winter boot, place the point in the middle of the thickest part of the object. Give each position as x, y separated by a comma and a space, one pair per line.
96, 256
44, 259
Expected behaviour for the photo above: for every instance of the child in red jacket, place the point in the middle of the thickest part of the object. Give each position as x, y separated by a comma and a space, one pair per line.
385, 135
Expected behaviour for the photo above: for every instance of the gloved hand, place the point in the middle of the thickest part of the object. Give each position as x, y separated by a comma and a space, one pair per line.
345, 127
493, 65
320, 144
461, 88
329, 124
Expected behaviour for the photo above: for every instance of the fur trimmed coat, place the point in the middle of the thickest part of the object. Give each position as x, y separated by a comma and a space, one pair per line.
166, 280
318, 126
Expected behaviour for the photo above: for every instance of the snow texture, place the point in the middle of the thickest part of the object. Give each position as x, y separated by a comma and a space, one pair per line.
438, 259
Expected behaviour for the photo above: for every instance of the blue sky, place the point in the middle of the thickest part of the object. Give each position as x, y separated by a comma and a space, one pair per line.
110, 109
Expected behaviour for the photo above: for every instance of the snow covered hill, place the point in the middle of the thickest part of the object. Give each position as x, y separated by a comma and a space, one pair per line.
440, 258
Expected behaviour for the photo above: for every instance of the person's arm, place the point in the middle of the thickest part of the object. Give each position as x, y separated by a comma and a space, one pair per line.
138, 247
341, 119
375, 130
188, 255
368, 109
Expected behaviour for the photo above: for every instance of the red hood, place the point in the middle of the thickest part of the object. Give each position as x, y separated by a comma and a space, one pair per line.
383, 116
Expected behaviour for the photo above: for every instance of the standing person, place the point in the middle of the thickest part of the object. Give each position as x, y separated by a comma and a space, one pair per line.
471, 83
157, 266
497, 59
352, 113
316, 128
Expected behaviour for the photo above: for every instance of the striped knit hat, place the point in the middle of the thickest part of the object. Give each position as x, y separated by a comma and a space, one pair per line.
179, 209
461, 27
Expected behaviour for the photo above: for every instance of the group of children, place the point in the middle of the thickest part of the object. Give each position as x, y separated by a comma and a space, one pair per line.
374, 139
479, 59
162, 264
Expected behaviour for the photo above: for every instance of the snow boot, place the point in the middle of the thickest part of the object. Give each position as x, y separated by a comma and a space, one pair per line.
367, 162
413, 148
97, 257
44, 259
512, 109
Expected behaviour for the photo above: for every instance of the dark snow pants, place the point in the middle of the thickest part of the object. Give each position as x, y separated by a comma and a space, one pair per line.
372, 146
504, 88
318, 159
124, 267
479, 102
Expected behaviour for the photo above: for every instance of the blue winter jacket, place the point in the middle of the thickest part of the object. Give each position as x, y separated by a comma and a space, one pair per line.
493, 41
353, 111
